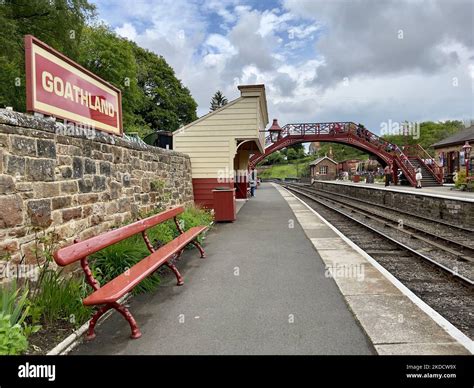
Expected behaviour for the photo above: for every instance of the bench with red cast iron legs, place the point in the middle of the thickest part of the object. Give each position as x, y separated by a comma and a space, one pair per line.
107, 296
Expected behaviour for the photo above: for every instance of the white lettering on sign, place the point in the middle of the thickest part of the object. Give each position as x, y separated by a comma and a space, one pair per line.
56, 85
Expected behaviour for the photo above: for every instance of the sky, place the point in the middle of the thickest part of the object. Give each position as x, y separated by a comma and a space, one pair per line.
367, 61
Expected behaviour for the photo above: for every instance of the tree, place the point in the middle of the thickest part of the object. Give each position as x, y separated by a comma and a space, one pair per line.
429, 133
218, 101
112, 58
58, 23
341, 152
274, 158
165, 104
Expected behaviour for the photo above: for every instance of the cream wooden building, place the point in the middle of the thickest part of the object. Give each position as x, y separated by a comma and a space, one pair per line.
221, 142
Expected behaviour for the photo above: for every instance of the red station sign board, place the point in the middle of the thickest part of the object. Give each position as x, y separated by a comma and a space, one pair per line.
58, 86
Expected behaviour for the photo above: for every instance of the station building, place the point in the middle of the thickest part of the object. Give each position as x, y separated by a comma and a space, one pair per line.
221, 143
323, 168
450, 154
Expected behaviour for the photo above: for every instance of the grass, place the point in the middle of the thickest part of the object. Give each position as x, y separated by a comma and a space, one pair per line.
60, 298
282, 171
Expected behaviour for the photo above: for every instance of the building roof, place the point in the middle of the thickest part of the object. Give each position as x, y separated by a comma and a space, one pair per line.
458, 138
319, 160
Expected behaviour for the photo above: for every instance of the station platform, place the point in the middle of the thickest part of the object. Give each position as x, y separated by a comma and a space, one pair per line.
445, 192
264, 289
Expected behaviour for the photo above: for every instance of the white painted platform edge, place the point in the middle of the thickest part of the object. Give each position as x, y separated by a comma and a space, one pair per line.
453, 331
393, 189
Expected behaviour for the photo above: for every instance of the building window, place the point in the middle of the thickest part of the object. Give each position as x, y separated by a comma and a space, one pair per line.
323, 170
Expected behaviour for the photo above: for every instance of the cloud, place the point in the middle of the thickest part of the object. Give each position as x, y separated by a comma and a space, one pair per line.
320, 60
387, 37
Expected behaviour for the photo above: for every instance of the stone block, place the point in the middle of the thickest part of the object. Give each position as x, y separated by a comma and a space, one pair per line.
15, 165
7, 184
40, 169
89, 166
61, 202
105, 168
11, 211
69, 187
77, 167
23, 146
47, 189
46, 148
72, 214
39, 212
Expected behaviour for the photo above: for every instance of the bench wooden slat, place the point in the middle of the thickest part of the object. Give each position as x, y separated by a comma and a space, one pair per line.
125, 282
75, 252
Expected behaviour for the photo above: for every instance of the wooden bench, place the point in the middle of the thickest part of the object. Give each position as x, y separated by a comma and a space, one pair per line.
109, 294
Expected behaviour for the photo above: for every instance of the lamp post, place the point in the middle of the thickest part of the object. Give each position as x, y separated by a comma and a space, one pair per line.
275, 131
467, 153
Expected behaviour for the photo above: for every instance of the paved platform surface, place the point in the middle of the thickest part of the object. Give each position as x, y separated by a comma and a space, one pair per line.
262, 290
441, 191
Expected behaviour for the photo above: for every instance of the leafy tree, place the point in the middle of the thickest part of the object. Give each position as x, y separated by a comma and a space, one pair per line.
291, 154
429, 133
274, 158
218, 101
58, 23
165, 104
341, 152
112, 58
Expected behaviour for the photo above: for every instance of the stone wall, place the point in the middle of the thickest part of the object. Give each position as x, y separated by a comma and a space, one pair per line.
456, 212
78, 185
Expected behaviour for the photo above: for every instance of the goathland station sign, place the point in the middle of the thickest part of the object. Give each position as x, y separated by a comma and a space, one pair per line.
57, 86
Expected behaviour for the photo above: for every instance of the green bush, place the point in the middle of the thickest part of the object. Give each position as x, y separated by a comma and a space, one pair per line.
18, 307
14, 328
12, 339
112, 261
13, 304
461, 179
195, 216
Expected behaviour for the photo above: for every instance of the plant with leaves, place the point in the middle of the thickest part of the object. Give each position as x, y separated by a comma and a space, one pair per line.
218, 101
56, 296
15, 325
13, 304
12, 339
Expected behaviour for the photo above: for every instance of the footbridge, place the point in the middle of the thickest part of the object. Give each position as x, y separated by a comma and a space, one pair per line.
407, 159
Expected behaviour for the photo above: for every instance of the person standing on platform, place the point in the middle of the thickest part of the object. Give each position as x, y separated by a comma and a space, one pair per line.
418, 177
388, 174
253, 183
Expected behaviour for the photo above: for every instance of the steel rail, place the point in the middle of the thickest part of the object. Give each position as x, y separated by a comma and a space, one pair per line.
396, 210
398, 243
417, 230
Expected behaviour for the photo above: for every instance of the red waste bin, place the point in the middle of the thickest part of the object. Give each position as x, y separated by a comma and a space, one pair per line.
224, 204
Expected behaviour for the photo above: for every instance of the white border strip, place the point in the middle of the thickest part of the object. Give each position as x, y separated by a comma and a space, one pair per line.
394, 190
453, 331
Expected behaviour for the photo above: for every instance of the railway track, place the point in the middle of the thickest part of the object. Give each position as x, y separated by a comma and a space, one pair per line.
451, 233
440, 283
431, 241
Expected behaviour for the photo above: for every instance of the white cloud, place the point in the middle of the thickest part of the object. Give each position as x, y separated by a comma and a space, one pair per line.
302, 50
127, 31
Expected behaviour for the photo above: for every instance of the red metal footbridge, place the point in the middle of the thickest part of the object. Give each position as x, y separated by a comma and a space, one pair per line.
408, 159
